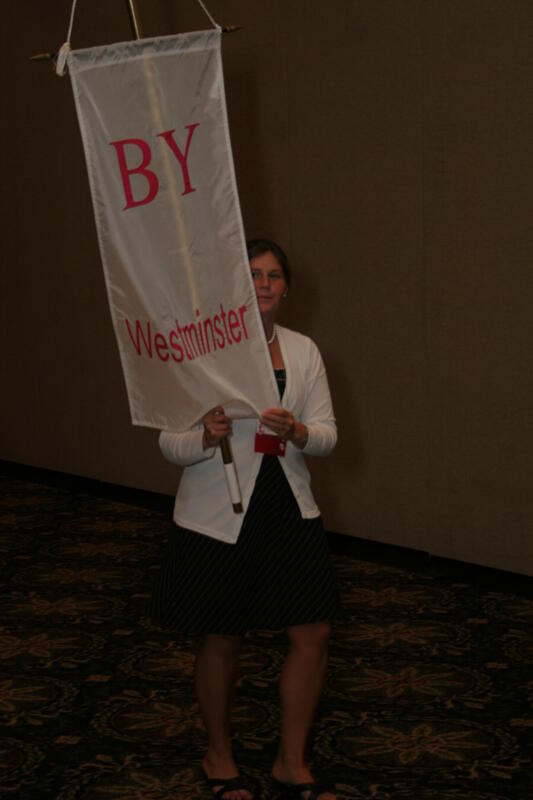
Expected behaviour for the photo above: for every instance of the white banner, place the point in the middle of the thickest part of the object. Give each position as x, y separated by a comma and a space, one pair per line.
154, 126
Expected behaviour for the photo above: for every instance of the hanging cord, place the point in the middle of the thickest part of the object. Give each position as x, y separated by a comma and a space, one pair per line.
65, 47
215, 24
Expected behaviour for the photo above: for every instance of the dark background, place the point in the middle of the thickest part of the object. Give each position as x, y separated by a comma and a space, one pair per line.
388, 146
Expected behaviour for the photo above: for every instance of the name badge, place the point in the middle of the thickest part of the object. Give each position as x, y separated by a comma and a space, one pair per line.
268, 443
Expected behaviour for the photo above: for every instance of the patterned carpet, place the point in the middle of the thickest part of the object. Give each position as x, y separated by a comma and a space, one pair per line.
429, 693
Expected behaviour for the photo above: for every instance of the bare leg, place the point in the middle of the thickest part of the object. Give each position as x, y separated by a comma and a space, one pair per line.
301, 682
216, 671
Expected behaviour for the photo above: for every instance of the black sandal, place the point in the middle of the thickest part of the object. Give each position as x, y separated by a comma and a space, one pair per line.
297, 791
226, 785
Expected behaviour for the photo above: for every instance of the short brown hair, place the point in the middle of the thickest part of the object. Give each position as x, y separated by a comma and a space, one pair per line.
257, 247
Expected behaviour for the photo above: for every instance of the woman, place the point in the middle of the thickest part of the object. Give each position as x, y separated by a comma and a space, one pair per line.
275, 572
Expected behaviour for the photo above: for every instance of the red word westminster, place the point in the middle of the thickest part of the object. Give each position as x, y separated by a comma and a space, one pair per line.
189, 341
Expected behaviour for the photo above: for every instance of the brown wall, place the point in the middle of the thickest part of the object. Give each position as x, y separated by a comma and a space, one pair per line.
388, 146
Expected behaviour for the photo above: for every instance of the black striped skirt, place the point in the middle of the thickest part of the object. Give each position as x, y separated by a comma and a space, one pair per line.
277, 574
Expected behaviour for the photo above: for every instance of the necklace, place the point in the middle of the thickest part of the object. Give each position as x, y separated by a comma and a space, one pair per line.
269, 341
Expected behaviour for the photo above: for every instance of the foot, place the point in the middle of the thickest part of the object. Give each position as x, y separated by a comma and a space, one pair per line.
292, 776
224, 770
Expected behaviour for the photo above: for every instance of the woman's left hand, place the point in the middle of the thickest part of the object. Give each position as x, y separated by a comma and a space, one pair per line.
285, 426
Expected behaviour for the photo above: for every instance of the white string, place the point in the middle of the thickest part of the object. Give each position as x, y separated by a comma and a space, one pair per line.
71, 23
64, 50
215, 24
65, 47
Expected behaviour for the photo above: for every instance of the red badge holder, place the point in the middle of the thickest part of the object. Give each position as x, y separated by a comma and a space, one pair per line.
268, 444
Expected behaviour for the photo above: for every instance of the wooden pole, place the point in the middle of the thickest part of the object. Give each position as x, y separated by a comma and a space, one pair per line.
135, 23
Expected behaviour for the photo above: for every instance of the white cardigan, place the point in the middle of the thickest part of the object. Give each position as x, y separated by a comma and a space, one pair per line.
202, 503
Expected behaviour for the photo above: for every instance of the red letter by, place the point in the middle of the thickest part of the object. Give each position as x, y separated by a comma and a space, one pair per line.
169, 139
142, 169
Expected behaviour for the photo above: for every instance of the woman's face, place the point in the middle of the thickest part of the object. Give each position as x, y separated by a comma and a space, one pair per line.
270, 284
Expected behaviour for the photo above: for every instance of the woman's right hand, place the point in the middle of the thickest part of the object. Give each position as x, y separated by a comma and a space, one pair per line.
216, 427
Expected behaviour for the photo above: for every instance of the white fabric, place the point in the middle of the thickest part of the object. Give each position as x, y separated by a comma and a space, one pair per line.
153, 120
201, 502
